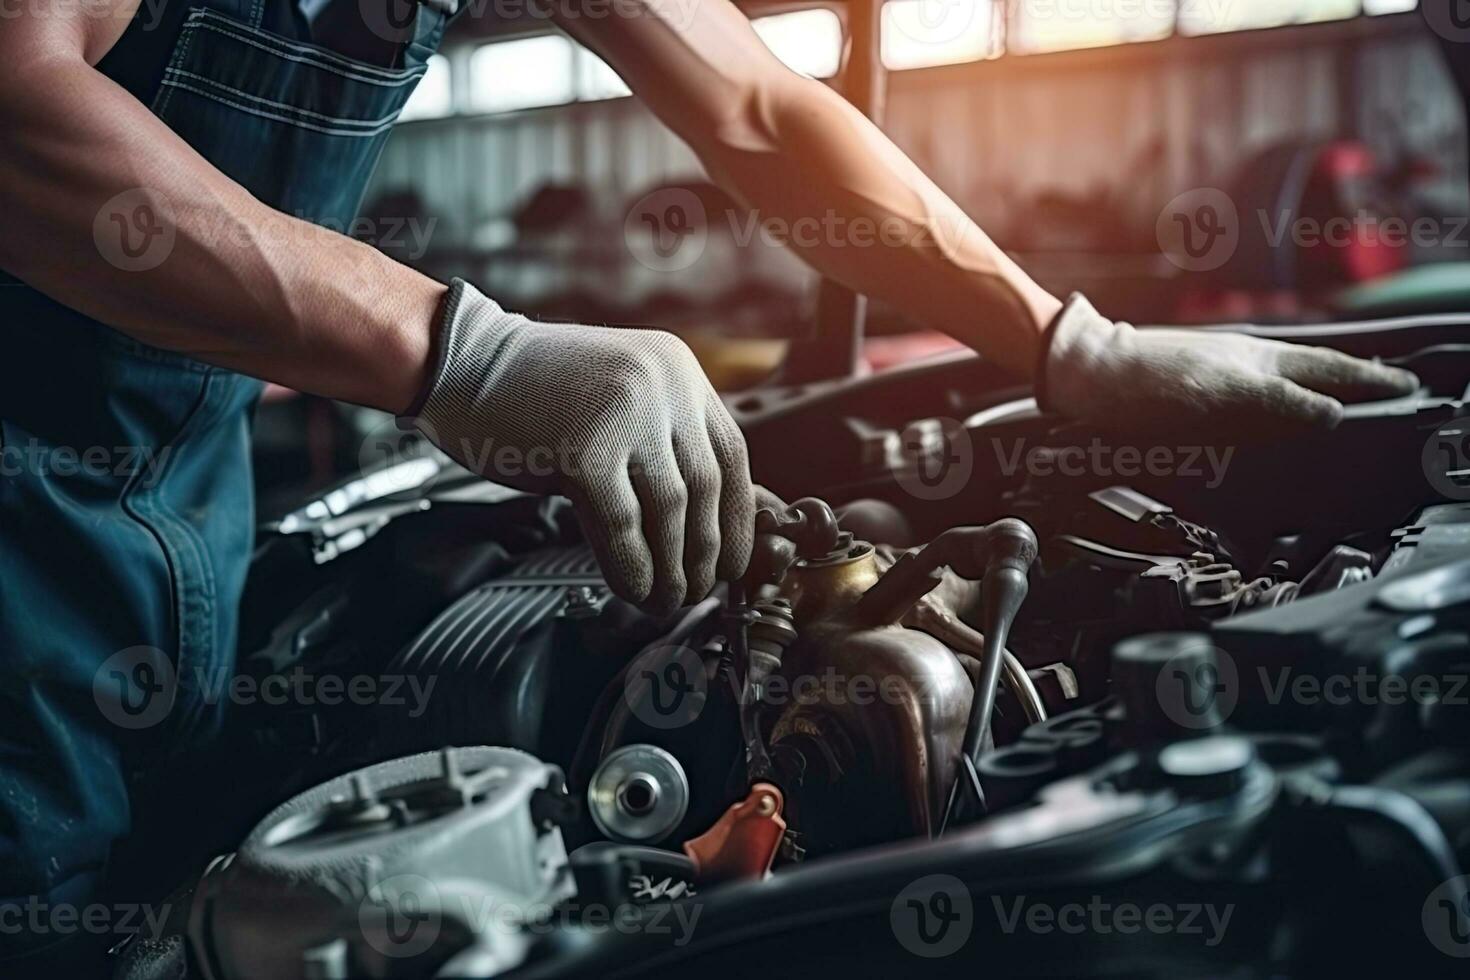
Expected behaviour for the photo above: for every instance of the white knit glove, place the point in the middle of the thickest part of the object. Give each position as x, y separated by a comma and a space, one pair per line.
621, 421
1111, 374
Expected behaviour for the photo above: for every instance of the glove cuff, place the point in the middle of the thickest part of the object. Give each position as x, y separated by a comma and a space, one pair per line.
471, 330
1059, 336
438, 351
1078, 345
1040, 387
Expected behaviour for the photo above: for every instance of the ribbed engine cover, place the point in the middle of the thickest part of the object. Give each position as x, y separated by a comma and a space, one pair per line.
482, 629
518, 660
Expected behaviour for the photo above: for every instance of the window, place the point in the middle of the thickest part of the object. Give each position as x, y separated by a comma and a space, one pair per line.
596, 79
1057, 25
431, 99
1215, 16
808, 41
551, 69
1388, 6
522, 74
919, 33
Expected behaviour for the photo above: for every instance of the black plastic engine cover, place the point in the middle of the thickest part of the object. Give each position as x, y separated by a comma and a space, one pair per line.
520, 660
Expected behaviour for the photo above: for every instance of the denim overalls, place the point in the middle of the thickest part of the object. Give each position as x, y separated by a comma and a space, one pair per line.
126, 509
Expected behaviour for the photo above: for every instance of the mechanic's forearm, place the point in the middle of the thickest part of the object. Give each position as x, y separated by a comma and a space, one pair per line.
242, 286
860, 211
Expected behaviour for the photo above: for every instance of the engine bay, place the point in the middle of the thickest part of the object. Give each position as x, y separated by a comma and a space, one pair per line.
988, 673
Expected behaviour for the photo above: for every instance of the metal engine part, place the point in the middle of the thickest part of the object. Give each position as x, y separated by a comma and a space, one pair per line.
843, 676
381, 872
638, 794
897, 628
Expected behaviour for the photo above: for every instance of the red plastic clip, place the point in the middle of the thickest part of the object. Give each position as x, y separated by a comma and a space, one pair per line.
744, 841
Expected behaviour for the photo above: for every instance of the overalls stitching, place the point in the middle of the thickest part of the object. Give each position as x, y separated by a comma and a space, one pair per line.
301, 123
179, 72
197, 635
316, 57
138, 503
161, 99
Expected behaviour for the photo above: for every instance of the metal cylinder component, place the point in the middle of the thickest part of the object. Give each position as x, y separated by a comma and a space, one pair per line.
1172, 684
638, 794
769, 636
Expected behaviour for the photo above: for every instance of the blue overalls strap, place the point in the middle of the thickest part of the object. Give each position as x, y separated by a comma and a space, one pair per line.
428, 30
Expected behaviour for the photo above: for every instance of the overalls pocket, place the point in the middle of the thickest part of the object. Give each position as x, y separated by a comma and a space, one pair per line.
299, 126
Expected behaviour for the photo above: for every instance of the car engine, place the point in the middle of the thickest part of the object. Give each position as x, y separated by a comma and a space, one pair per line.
985, 665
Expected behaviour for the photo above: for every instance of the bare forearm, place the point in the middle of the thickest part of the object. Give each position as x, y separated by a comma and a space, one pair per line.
860, 211
803, 158
241, 285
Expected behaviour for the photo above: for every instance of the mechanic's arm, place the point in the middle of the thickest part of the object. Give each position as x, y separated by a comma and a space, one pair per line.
244, 286
623, 422
791, 148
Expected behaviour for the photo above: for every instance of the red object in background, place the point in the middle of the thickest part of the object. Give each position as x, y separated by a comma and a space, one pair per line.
1236, 306
881, 353
1342, 200
1314, 218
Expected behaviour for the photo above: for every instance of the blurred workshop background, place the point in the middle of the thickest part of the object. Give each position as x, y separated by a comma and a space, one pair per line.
1065, 127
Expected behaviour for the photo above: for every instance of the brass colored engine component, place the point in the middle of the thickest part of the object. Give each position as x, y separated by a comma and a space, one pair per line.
818, 588
872, 720
900, 699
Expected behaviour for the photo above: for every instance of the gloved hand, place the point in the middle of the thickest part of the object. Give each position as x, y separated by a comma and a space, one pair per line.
621, 421
1108, 373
